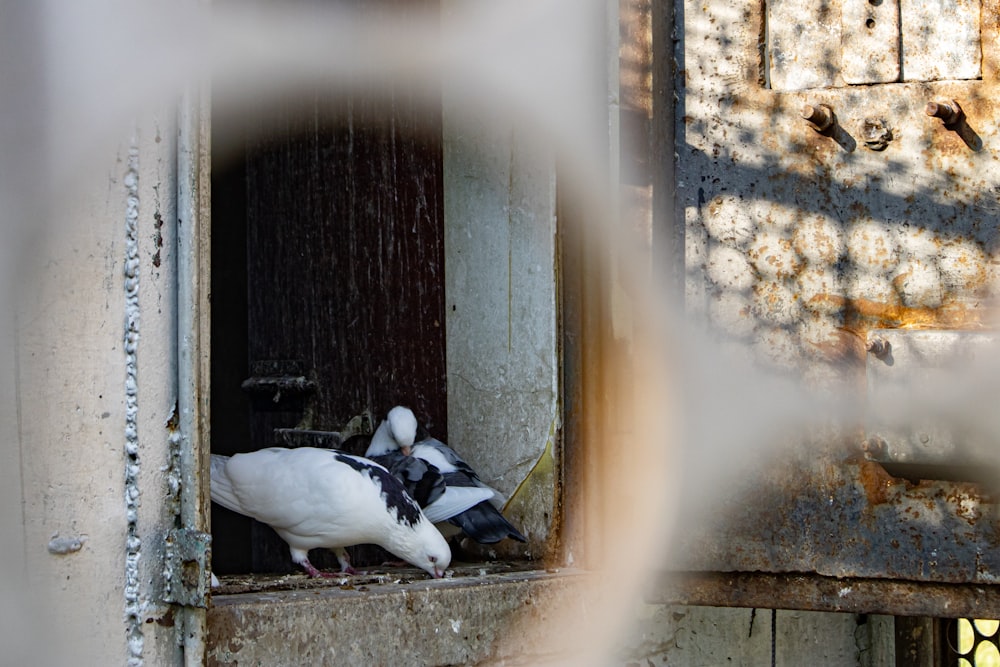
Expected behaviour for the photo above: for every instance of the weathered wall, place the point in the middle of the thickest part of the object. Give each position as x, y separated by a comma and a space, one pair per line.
709, 636
93, 404
501, 310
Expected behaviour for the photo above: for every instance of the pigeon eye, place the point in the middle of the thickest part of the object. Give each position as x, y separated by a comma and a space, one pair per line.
434, 559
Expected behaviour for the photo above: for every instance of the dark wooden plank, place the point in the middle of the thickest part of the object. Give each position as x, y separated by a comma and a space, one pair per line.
328, 255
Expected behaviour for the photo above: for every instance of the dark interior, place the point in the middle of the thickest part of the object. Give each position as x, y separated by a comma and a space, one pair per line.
327, 285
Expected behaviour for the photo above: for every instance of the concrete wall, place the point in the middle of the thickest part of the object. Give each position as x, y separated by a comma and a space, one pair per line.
710, 636
93, 406
501, 306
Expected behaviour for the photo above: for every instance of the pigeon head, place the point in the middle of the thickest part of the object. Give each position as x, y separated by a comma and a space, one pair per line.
403, 427
425, 547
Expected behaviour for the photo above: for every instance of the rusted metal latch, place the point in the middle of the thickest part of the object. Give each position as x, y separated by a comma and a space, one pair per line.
296, 437
278, 384
186, 576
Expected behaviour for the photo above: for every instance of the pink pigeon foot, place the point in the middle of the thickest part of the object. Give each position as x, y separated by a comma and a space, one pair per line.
314, 573
345, 561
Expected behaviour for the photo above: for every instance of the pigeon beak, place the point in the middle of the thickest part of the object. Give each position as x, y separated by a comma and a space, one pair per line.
405, 449
438, 573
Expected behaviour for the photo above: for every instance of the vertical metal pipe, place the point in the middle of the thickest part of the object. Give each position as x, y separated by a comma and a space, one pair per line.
193, 200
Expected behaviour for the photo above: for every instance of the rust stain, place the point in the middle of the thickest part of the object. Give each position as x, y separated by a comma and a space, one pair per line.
842, 347
862, 315
880, 487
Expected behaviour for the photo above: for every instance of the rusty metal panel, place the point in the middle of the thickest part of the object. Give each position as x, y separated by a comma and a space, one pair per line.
815, 593
814, 213
844, 519
803, 43
831, 44
870, 41
909, 422
941, 39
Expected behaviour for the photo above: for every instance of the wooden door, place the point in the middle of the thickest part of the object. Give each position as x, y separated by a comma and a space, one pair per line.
328, 270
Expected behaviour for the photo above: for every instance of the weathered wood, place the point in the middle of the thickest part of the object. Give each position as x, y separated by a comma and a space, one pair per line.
329, 252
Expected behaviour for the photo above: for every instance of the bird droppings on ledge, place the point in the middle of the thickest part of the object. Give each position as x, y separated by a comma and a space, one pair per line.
504, 616
370, 579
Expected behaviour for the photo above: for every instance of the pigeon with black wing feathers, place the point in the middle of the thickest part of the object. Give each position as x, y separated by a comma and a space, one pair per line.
324, 498
431, 470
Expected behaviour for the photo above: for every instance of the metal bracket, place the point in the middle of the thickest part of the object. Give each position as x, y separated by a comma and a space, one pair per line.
869, 41
186, 568
297, 437
274, 383
923, 400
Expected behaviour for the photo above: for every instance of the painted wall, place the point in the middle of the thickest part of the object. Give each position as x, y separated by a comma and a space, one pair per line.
501, 313
93, 405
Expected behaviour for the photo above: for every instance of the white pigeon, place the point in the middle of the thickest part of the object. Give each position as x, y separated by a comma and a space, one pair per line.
446, 486
324, 498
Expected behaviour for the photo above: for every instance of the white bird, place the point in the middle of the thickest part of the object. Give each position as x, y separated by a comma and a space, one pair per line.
446, 486
324, 498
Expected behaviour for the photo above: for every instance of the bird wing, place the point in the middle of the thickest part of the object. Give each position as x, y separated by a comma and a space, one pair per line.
425, 483
444, 457
455, 500
486, 525
221, 486
422, 481
482, 521
286, 488
455, 470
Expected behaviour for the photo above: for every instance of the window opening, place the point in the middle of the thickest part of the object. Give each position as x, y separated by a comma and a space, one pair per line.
330, 307
972, 642
327, 285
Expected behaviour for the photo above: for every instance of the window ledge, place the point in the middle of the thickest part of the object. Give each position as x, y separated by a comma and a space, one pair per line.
393, 617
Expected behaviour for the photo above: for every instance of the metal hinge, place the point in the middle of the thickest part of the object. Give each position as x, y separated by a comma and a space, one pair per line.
187, 580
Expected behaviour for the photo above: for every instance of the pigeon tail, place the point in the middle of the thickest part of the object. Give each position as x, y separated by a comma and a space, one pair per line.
486, 525
221, 487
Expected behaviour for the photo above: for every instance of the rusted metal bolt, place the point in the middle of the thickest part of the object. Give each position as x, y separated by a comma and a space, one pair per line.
949, 111
879, 347
874, 447
876, 133
820, 116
